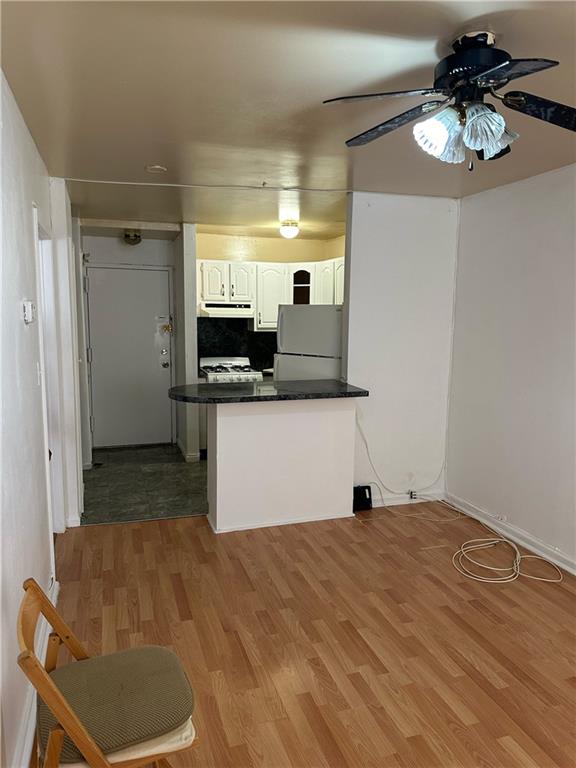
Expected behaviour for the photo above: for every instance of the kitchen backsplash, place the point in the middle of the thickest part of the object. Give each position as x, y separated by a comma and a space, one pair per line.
230, 337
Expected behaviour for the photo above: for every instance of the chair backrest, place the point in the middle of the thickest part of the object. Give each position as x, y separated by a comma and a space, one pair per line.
34, 604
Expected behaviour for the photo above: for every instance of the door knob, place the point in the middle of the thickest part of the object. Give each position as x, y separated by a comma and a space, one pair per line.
165, 365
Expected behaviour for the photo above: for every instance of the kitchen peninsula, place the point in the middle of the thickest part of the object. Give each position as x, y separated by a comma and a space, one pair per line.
278, 451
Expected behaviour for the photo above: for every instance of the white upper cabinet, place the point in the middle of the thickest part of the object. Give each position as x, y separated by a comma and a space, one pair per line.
225, 281
300, 283
265, 285
339, 280
272, 290
241, 281
323, 283
215, 281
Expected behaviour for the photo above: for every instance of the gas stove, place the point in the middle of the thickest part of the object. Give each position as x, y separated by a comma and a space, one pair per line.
228, 369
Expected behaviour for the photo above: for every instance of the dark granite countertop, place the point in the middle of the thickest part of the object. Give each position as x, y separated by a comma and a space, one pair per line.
251, 392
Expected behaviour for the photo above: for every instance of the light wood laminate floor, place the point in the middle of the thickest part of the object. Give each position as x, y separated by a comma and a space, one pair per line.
337, 644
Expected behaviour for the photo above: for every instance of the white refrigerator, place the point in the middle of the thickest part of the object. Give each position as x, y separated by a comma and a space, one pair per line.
309, 339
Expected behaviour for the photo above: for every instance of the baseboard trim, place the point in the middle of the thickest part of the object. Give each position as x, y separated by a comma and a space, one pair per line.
189, 458
403, 498
25, 740
518, 535
73, 521
292, 521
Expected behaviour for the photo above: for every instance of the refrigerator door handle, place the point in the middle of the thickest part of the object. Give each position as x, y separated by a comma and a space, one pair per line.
279, 340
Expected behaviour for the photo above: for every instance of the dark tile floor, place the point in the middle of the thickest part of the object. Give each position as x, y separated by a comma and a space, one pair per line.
142, 483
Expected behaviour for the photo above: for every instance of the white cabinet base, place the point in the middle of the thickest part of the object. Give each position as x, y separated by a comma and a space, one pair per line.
279, 462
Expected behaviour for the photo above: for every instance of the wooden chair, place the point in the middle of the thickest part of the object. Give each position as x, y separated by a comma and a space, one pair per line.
34, 604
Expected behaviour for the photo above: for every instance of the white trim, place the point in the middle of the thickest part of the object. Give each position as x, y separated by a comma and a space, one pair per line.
25, 738
403, 498
73, 520
292, 521
518, 535
191, 457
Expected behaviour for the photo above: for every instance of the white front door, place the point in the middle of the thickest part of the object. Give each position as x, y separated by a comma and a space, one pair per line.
130, 342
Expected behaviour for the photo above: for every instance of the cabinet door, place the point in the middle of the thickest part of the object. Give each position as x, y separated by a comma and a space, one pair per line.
339, 281
241, 281
324, 282
215, 281
300, 283
271, 291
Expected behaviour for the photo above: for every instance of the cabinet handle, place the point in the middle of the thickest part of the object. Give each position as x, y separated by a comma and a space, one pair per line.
222, 290
232, 289
259, 318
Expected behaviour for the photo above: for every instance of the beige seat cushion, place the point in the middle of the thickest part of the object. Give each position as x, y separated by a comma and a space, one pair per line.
122, 699
178, 739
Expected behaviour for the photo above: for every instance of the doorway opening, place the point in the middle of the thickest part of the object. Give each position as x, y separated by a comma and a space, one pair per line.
137, 471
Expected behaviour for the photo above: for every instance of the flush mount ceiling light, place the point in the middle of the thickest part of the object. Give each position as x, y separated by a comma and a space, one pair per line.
289, 229
154, 168
476, 69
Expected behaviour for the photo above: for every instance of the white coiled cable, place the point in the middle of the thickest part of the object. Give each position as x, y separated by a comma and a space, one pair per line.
495, 574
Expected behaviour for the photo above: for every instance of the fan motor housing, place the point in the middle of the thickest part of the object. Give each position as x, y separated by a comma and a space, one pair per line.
465, 63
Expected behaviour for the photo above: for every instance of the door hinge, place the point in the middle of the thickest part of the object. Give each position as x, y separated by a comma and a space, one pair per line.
91, 423
86, 284
89, 355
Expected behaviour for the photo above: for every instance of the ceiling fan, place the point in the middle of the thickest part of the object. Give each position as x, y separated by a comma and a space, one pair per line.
476, 69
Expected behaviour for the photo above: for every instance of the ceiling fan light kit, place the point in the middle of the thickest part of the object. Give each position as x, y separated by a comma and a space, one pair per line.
454, 150
483, 127
476, 69
432, 134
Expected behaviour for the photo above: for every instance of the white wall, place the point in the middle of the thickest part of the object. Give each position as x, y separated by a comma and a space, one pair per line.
401, 254
26, 544
67, 351
108, 249
186, 340
512, 416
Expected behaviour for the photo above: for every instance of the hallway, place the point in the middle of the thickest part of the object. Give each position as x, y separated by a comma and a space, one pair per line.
142, 483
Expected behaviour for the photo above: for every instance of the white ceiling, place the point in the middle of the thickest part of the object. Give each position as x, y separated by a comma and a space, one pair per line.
229, 94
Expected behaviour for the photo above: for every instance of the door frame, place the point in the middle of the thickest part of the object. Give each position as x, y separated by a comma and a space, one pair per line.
54, 473
140, 267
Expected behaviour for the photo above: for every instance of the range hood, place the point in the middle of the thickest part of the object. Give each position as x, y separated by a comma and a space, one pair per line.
226, 309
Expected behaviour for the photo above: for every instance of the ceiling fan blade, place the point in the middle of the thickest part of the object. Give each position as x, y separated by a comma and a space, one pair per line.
370, 96
542, 109
395, 122
510, 70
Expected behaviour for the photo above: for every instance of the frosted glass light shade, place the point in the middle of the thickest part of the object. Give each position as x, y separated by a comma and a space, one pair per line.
432, 134
507, 138
289, 229
483, 127
454, 151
